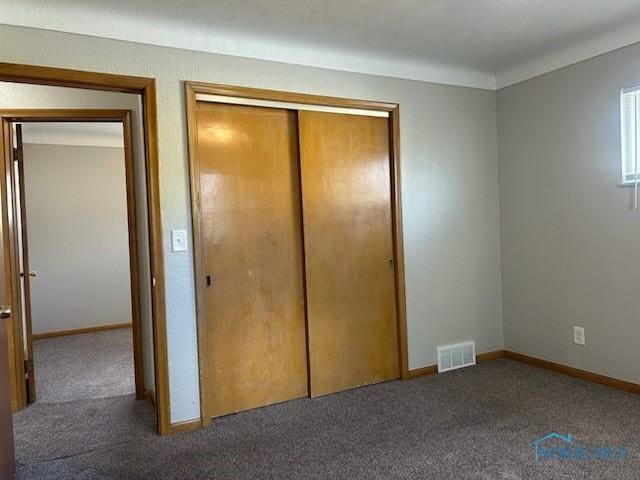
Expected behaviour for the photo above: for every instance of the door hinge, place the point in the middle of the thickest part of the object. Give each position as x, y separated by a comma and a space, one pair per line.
16, 155
28, 366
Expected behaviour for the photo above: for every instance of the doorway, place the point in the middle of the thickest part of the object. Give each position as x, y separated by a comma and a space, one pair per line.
144, 89
75, 216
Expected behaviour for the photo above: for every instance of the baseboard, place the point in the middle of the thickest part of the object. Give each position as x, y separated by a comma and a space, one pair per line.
186, 426
423, 372
574, 372
433, 369
489, 356
150, 395
77, 331
545, 364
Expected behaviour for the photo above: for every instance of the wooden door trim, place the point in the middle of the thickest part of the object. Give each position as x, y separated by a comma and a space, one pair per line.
198, 257
398, 242
289, 97
146, 88
194, 88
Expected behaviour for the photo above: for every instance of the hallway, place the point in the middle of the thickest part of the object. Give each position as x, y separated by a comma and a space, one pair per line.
84, 367
85, 403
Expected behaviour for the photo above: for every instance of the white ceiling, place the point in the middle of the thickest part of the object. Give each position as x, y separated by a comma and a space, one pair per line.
480, 43
97, 134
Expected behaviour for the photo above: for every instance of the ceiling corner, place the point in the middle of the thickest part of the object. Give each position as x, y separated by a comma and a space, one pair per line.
569, 55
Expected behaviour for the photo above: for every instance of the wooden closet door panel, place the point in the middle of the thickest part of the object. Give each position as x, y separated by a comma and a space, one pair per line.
351, 301
250, 204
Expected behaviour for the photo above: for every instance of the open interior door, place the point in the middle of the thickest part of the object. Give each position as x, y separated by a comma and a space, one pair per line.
16, 269
23, 260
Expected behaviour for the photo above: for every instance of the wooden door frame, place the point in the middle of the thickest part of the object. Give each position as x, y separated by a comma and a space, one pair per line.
194, 88
10, 117
146, 88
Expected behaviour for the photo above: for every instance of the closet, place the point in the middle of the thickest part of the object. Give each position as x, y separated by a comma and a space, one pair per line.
295, 250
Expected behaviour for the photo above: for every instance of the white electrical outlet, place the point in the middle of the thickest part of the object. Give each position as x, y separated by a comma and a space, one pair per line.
579, 336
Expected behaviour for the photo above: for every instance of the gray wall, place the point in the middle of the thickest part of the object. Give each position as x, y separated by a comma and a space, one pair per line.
449, 186
570, 241
78, 236
14, 95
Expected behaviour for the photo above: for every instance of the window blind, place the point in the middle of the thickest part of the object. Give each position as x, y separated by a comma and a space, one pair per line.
629, 105
630, 138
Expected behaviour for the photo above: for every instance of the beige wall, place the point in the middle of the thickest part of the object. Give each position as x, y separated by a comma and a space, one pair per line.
14, 95
78, 236
449, 181
569, 238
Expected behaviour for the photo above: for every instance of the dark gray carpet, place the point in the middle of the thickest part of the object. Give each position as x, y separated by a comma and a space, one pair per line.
474, 423
83, 367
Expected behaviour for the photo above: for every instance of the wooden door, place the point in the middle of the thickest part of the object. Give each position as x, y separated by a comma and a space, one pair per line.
7, 459
23, 259
252, 256
348, 244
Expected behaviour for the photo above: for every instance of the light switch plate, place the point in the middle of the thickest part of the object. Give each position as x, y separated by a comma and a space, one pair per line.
178, 240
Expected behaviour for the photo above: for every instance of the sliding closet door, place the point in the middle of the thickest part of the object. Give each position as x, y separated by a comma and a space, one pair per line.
351, 302
249, 187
